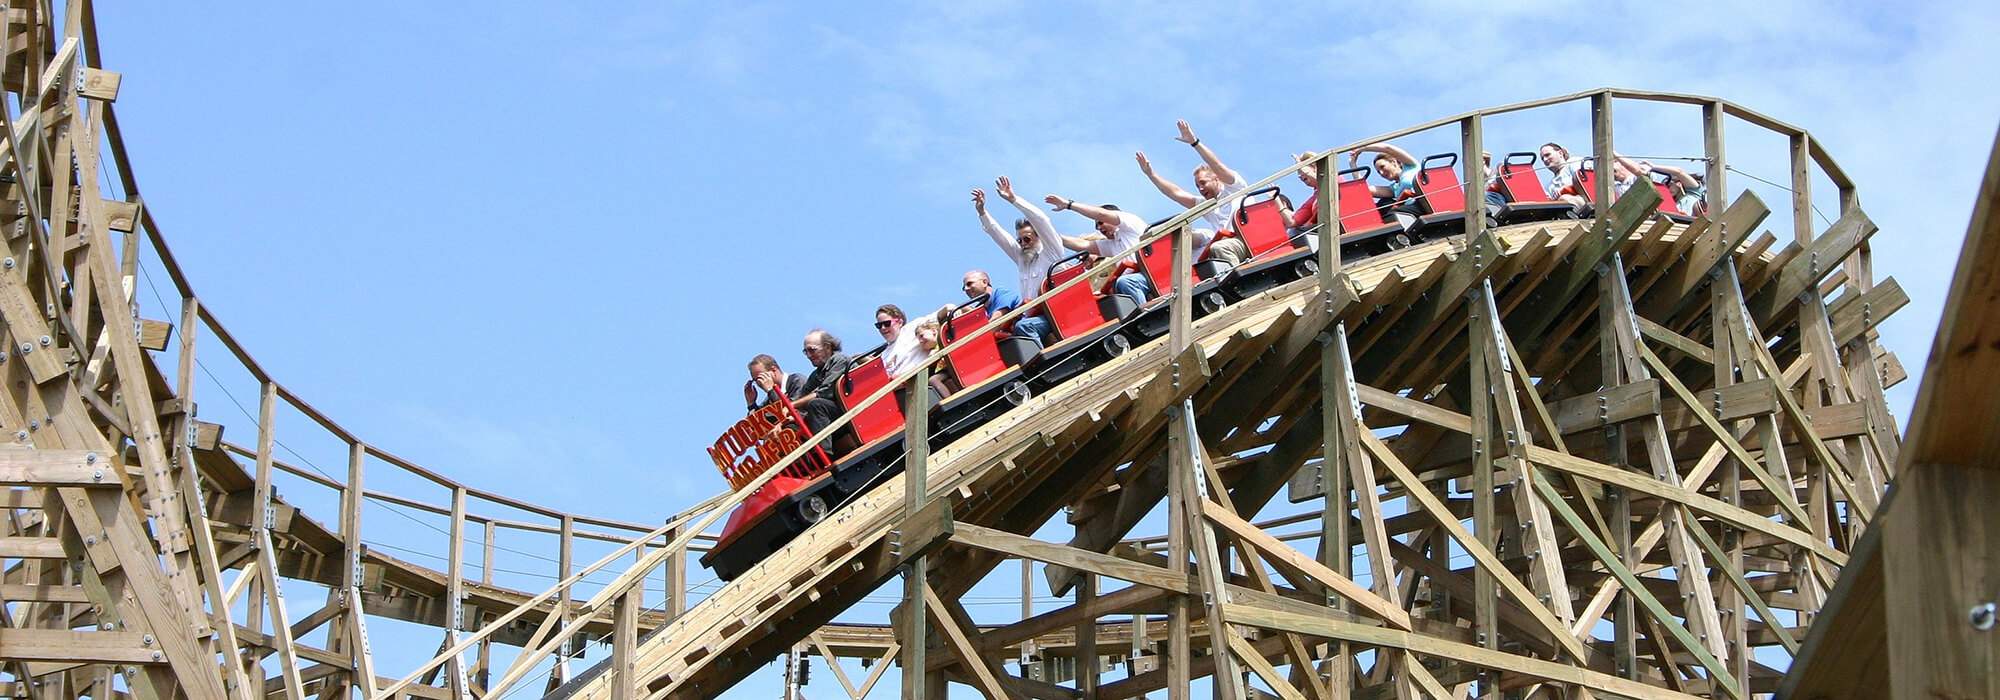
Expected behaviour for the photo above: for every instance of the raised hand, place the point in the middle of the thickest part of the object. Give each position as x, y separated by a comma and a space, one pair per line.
1057, 202
1145, 166
1004, 187
979, 199
1187, 133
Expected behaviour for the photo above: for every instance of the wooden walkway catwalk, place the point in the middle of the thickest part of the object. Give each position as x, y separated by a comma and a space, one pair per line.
1628, 456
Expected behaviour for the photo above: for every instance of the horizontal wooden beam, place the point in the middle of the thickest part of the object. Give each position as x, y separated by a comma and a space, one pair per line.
31, 467
1327, 626
78, 647
1414, 409
42, 593
1640, 399
1082, 560
31, 548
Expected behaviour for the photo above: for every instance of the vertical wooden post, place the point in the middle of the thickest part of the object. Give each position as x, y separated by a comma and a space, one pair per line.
1729, 310
1472, 141
1086, 637
1485, 518
184, 371
559, 673
1334, 530
274, 594
1139, 644
624, 639
219, 615
352, 575
1328, 192
1712, 115
483, 658
675, 571
1179, 458
1624, 620
1180, 313
1802, 223
454, 609
1604, 156
1027, 611
916, 492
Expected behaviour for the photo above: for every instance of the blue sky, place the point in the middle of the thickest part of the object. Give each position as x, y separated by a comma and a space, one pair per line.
531, 246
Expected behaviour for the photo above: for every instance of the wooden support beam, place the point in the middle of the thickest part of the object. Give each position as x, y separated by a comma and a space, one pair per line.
1598, 409
1551, 298
1805, 270
1414, 409
1284, 556
24, 467
1482, 554
43, 593
99, 84
1253, 658
1661, 615
1938, 568
78, 647
31, 548
1082, 560
953, 624
1328, 626
153, 334
121, 216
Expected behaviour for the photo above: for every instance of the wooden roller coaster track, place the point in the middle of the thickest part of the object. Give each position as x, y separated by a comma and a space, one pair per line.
1630, 455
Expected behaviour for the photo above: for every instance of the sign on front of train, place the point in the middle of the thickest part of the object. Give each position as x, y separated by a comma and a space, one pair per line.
755, 443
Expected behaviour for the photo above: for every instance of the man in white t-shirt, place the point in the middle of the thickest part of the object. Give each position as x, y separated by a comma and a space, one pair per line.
1214, 181
1121, 230
1033, 248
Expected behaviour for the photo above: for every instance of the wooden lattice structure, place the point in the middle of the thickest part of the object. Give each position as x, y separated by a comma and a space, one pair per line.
1629, 455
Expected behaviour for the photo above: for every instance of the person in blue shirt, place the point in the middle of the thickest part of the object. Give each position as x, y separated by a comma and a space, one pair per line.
1399, 168
1000, 300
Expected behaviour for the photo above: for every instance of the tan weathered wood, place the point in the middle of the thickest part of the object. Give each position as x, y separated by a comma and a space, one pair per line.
1618, 404
929, 528
43, 593
1483, 555
1331, 627
77, 647
983, 670
20, 467
153, 334
1610, 560
1051, 553
1748, 399
100, 84
1286, 557
31, 548
1937, 565
120, 216
1263, 668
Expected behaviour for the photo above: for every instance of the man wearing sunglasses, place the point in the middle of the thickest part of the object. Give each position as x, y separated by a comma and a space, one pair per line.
817, 402
904, 352
1030, 248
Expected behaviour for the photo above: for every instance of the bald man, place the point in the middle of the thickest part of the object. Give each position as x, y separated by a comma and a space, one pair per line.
1000, 300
